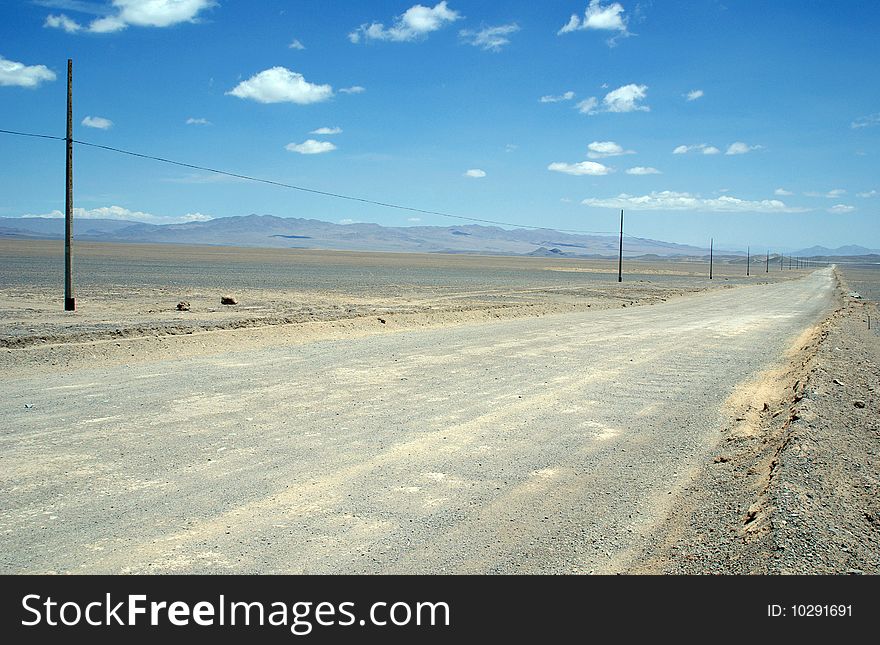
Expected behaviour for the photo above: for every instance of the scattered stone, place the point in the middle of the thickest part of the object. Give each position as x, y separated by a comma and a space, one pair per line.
721, 459
766, 407
837, 382
228, 300
859, 404
854, 572
183, 305
28, 406
381, 320
855, 294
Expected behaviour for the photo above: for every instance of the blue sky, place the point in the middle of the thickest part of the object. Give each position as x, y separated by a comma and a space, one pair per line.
754, 122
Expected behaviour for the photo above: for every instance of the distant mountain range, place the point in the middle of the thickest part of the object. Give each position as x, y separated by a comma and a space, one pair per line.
840, 251
291, 232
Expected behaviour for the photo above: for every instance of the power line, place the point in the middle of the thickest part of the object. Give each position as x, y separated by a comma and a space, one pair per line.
314, 191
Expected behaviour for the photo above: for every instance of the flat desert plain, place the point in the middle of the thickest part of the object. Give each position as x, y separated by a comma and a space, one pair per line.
379, 413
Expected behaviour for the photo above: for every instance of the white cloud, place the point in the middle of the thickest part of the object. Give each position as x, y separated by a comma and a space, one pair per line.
781, 192
326, 130
347, 221
668, 200
97, 122
510, 147
310, 147
740, 148
831, 194
413, 219
693, 95
476, 173
588, 106
120, 213
550, 98
21, 75
138, 13
702, 147
281, 85
490, 38
602, 149
841, 208
198, 121
866, 121
642, 170
596, 16
626, 98
868, 193
354, 89
580, 168
62, 22
416, 22
296, 45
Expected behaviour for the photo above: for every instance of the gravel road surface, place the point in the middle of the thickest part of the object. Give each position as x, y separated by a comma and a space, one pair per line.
550, 445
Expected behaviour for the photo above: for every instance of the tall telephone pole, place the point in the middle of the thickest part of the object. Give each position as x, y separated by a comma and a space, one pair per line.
69, 299
620, 258
711, 242
767, 270
748, 259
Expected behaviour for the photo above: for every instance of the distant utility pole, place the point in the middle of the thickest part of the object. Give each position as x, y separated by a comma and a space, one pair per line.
69, 299
789, 262
620, 258
748, 259
711, 241
768, 261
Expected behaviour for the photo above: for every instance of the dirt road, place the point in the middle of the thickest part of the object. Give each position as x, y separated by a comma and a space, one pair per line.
536, 445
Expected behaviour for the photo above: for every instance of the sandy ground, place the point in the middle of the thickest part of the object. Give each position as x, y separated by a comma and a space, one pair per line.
559, 444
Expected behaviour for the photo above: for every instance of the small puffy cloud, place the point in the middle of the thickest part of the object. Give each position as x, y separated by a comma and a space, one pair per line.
416, 22
626, 98
21, 75
62, 22
475, 173
354, 89
550, 98
310, 147
588, 106
326, 130
831, 194
414, 219
120, 213
599, 17
97, 122
346, 221
601, 149
841, 208
642, 170
198, 121
782, 192
699, 147
693, 95
281, 85
866, 121
580, 168
740, 148
868, 193
668, 200
296, 45
138, 13
490, 38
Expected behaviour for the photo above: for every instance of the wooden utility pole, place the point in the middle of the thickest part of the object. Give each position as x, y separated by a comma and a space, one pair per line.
69, 299
620, 257
711, 241
768, 261
748, 259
